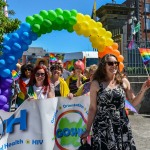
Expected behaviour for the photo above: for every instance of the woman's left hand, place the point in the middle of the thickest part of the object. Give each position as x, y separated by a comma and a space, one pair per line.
146, 85
70, 96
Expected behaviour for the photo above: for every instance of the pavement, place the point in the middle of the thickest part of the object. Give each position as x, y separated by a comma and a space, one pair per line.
140, 124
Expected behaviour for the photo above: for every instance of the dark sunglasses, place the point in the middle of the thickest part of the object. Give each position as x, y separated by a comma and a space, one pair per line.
40, 74
111, 63
28, 69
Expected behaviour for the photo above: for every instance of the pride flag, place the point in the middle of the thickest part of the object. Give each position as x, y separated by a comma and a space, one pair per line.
15, 75
52, 57
145, 54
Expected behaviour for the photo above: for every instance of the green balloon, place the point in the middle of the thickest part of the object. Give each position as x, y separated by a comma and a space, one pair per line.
70, 29
30, 19
66, 14
73, 12
59, 11
66, 25
44, 14
60, 19
38, 19
47, 23
55, 26
36, 28
72, 20
49, 30
43, 29
52, 15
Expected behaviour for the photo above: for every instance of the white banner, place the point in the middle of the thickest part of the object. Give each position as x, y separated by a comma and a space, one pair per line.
51, 124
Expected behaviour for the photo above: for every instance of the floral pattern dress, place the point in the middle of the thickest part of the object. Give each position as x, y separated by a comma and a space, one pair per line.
111, 127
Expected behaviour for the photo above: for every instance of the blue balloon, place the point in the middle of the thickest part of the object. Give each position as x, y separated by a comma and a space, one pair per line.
16, 47
15, 37
6, 40
28, 41
33, 36
25, 27
5, 73
10, 59
6, 49
2, 63
3, 100
25, 36
24, 46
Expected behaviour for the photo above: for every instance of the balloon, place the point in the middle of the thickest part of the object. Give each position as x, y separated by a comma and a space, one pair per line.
121, 66
59, 11
84, 25
102, 39
10, 59
33, 37
6, 92
5, 73
25, 27
101, 32
30, 19
77, 27
52, 15
66, 14
72, 20
6, 49
6, 107
120, 58
2, 63
38, 19
73, 12
44, 14
3, 100
80, 17
99, 24
108, 34
15, 37
108, 49
115, 45
16, 47
116, 53
24, 46
36, 28
60, 19
102, 54
109, 42
87, 18
47, 23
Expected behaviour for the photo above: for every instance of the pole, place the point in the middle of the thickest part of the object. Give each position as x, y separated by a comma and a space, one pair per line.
145, 23
146, 70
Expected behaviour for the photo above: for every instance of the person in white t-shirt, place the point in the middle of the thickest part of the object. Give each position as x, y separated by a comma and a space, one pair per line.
39, 84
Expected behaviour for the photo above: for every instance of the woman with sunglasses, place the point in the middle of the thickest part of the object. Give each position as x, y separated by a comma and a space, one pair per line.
107, 115
39, 84
59, 84
26, 71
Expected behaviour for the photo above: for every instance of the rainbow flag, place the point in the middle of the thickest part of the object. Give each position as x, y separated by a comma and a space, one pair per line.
145, 54
15, 75
52, 57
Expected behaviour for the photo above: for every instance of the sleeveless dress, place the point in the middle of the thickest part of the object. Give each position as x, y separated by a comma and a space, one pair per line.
111, 127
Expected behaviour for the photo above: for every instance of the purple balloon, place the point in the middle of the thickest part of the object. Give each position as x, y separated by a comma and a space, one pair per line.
6, 107
3, 100
5, 83
6, 92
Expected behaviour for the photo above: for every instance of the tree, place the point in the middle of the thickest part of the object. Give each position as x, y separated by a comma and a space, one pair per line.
7, 24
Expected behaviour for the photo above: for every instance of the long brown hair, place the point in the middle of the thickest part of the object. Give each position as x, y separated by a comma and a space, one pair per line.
100, 74
46, 83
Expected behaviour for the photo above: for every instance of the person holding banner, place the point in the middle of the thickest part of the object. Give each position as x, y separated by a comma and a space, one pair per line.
59, 84
107, 116
39, 84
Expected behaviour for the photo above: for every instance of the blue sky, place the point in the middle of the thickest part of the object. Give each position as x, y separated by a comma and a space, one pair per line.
57, 41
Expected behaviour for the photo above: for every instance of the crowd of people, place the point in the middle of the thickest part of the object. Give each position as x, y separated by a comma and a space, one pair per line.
108, 90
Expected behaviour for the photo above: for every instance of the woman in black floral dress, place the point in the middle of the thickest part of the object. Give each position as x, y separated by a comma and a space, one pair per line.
109, 89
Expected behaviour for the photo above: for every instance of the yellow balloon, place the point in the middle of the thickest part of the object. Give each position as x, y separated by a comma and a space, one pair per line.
87, 17
95, 44
102, 40
108, 34
92, 23
80, 17
109, 42
94, 38
101, 31
101, 47
77, 27
79, 32
87, 33
99, 24
94, 31
84, 25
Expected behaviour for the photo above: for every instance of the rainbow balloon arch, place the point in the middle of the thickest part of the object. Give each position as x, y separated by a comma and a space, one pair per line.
45, 22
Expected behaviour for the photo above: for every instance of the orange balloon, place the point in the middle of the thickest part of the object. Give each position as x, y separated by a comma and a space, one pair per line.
120, 58
108, 49
115, 46
116, 53
121, 66
101, 54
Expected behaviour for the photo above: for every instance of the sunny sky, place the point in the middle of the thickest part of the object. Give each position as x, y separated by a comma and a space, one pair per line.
57, 41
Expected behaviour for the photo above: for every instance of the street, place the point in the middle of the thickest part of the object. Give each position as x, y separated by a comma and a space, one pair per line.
140, 124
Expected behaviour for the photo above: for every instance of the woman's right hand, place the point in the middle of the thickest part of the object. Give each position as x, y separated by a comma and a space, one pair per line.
85, 134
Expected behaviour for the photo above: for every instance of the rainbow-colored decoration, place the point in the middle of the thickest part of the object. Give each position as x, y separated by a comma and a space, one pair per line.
145, 54
52, 57
15, 75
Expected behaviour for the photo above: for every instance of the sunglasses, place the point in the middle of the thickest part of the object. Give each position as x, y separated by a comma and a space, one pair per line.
111, 63
40, 74
28, 69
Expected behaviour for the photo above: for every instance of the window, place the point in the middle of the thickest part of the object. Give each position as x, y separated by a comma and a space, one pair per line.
147, 7
148, 24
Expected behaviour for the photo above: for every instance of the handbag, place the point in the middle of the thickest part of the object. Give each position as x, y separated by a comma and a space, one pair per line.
84, 146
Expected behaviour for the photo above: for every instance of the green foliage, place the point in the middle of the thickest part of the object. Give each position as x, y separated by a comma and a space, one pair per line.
7, 24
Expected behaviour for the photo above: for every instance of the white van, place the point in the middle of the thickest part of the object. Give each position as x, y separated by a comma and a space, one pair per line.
91, 57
